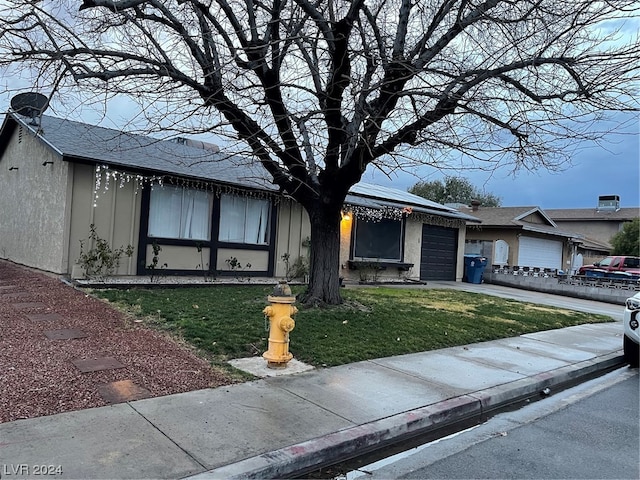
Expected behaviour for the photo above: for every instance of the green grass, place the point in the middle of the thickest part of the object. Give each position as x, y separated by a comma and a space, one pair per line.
226, 322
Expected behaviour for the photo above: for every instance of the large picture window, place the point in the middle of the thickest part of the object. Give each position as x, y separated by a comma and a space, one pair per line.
378, 240
244, 220
181, 213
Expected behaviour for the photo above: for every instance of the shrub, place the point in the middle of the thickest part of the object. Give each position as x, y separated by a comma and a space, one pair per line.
101, 260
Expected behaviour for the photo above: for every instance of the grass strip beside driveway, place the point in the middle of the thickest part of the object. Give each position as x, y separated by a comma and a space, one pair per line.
225, 322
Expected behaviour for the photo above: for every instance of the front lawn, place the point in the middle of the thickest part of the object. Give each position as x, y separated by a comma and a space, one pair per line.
226, 322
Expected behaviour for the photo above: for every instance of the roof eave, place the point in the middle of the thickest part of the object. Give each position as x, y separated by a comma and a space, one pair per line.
161, 173
8, 127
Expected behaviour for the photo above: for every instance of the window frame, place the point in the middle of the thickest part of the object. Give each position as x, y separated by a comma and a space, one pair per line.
354, 241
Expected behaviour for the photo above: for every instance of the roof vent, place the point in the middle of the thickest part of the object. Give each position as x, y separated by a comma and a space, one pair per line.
189, 142
608, 203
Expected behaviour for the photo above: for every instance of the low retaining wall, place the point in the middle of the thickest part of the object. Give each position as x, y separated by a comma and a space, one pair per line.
561, 286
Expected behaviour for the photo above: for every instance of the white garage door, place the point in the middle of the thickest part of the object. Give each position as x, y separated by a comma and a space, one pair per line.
538, 252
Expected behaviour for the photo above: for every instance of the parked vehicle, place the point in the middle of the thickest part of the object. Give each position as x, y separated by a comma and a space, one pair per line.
613, 264
630, 320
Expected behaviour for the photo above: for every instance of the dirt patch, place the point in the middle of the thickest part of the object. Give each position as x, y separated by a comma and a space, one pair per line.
541, 308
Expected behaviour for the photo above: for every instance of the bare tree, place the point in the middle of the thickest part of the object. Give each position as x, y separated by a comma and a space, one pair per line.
320, 90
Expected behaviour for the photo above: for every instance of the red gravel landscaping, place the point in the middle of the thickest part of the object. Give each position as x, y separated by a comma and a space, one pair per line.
48, 329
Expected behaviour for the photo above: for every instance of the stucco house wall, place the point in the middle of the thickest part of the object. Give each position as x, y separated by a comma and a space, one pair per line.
34, 213
598, 230
511, 237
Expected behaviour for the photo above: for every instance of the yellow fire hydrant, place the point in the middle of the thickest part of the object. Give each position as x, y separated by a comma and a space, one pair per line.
279, 314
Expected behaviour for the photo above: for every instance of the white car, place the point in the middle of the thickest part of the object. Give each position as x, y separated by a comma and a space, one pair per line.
630, 343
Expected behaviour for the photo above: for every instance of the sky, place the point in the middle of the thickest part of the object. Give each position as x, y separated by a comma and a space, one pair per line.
611, 168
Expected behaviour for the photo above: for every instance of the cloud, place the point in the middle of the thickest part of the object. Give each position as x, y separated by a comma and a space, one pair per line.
611, 168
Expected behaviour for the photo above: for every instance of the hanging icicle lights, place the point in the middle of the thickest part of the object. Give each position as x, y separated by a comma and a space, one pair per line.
397, 213
105, 176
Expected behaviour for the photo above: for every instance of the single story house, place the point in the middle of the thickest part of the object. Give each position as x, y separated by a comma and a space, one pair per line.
523, 237
597, 225
207, 211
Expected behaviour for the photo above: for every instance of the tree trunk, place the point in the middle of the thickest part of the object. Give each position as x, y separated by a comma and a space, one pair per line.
324, 266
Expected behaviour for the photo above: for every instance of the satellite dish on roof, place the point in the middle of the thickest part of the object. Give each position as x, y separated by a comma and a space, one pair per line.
30, 104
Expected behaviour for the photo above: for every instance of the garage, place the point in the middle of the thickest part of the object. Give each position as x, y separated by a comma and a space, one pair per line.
438, 253
540, 252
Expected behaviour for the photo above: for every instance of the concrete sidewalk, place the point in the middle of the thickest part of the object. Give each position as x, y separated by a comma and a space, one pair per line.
279, 426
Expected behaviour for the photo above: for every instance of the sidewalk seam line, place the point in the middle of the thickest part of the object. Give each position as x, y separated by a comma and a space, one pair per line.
204, 467
306, 400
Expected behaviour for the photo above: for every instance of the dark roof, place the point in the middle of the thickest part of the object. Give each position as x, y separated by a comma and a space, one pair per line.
81, 142
592, 214
593, 244
76, 141
513, 218
377, 197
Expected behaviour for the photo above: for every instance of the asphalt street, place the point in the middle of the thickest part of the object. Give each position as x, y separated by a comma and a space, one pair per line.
589, 431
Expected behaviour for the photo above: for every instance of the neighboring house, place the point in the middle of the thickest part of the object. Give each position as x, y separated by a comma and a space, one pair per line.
597, 225
521, 237
208, 212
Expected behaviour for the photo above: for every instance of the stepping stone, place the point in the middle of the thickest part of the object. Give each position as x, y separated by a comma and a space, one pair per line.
96, 364
41, 317
65, 334
28, 305
122, 391
14, 294
5, 288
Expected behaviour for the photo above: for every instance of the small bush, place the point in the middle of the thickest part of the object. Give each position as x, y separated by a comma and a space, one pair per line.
101, 260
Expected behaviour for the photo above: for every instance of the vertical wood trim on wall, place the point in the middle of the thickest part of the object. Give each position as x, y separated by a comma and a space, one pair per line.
67, 262
272, 239
114, 195
215, 231
144, 228
92, 217
132, 268
403, 229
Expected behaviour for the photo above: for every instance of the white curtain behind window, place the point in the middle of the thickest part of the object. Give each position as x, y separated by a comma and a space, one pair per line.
195, 224
176, 212
244, 220
256, 221
232, 219
164, 211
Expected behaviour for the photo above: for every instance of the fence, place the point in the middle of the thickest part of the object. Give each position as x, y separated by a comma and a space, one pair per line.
602, 289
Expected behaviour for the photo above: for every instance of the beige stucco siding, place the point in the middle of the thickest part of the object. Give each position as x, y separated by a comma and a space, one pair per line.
412, 249
597, 230
115, 213
509, 236
32, 204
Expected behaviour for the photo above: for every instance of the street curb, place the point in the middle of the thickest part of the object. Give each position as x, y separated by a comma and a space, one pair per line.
501, 396
295, 460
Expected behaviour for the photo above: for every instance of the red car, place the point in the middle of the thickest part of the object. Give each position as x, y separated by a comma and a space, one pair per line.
629, 265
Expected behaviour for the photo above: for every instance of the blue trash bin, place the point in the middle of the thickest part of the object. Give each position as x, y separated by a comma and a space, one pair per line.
474, 266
